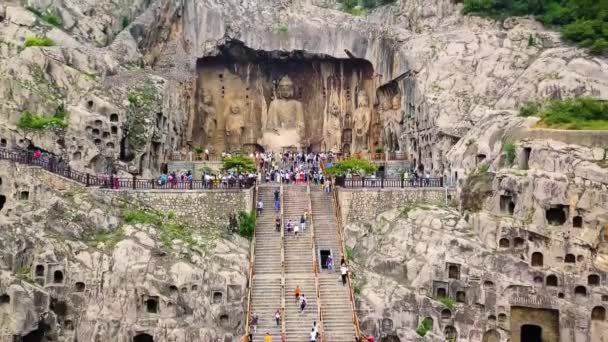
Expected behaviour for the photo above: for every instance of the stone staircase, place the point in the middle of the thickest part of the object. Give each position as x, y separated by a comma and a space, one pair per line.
298, 267
336, 307
267, 291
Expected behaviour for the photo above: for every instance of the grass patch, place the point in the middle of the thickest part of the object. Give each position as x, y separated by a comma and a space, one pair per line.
508, 151
247, 224
580, 21
424, 327
361, 7
38, 41
447, 302
350, 253
470, 142
483, 168
125, 22
34, 122
142, 217
52, 19
107, 239
25, 273
282, 28
580, 113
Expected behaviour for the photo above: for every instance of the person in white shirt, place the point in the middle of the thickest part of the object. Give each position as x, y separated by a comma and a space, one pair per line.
344, 272
313, 335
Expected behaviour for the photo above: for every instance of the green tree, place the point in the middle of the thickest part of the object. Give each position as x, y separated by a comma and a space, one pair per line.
246, 224
353, 166
508, 151
239, 164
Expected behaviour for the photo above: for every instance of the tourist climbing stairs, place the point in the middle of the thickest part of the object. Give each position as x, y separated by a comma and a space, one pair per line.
266, 287
339, 322
298, 267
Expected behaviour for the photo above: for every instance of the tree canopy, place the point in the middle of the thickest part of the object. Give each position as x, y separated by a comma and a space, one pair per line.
353, 166
239, 164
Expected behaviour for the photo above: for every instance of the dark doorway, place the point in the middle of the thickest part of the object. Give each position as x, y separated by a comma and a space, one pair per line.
531, 333
556, 216
58, 277
381, 171
143, 338
526, 158
39, 271
2, 201
577, 222
324, 254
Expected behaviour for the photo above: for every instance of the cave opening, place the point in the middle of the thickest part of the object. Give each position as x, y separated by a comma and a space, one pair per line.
598, 313
2, 201
526, 158
580, 291
551, 280
537, 259
324, 254
593, 280
60, 308
58, 277
556, 216
531, 333
460, 297
453, 272
24, 195
5, 299
39, 271
217, 297
143, 338
79, 286
243, 95
577, 222
151, 305
504, 243
507, 206
570, 259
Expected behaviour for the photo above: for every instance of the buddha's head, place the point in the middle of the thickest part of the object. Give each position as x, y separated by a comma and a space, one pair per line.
285, 89
362, 99
396, 102
207, 98
234, 109
335, 109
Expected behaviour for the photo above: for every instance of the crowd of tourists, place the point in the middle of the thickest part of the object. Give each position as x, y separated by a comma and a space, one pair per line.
294, 167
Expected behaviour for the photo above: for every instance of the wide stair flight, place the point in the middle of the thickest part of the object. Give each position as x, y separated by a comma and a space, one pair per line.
337, 310
267, 292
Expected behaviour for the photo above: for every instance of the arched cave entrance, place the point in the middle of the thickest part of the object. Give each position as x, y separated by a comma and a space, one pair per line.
598, 313
537, 259
531, 333
143, 338
2, 201
491, 336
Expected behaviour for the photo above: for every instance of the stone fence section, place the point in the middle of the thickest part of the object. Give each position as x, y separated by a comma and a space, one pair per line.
366, 204
205, 207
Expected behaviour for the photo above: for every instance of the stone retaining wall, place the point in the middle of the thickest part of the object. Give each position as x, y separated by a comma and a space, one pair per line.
204, 207
367, 204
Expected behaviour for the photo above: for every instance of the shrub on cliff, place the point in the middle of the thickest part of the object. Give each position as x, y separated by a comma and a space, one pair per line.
33, 122
38, 41
246, 224
572, 113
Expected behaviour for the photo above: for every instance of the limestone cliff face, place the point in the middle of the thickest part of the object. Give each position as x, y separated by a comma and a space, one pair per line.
72, 269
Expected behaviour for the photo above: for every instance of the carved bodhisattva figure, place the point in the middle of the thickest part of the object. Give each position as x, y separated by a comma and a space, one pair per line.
361, 122
392, 118
210, 123
235, 124
332, 132
285, 124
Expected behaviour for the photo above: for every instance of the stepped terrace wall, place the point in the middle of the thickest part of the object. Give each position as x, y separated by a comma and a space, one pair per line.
203, 207
365, 204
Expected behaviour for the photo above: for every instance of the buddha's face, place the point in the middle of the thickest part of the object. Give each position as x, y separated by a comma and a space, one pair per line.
207, 99
386, 105
335, 110
362, 100
396, 102
285, 89
234, 109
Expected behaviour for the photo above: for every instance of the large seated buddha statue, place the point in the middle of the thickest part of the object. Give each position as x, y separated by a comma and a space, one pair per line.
284, 126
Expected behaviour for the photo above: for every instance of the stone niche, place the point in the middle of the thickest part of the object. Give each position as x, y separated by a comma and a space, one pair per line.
247, 100
531, 324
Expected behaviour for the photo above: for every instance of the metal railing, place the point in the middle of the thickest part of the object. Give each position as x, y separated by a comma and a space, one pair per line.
61, 168
382, 182
338, 213
283, 271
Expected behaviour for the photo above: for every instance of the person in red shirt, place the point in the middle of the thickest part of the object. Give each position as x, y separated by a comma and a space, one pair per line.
370, 338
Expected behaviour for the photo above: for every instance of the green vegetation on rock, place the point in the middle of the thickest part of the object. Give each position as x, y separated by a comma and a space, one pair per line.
424, 327
508, 151
38, 41
34, 122
125, 22
238, 164
246, 224
360, 7
354, 166
52, 19
582, 21
144, 103
572, 113
447, 302
105, 239
25, 273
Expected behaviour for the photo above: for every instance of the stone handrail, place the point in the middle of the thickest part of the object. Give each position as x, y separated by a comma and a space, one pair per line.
61, 168
363, 182
251, 269
315, 268
358, 334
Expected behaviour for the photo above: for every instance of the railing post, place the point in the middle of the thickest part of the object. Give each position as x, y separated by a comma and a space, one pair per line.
402, 181
134, 182
88, 180
441, 182
191, 184
382, 182
362, 182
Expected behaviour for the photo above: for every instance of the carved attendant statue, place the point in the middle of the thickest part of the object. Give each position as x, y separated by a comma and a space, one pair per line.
285, 124
393, 120
235, 124
210, 123
332, 132
361, 122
